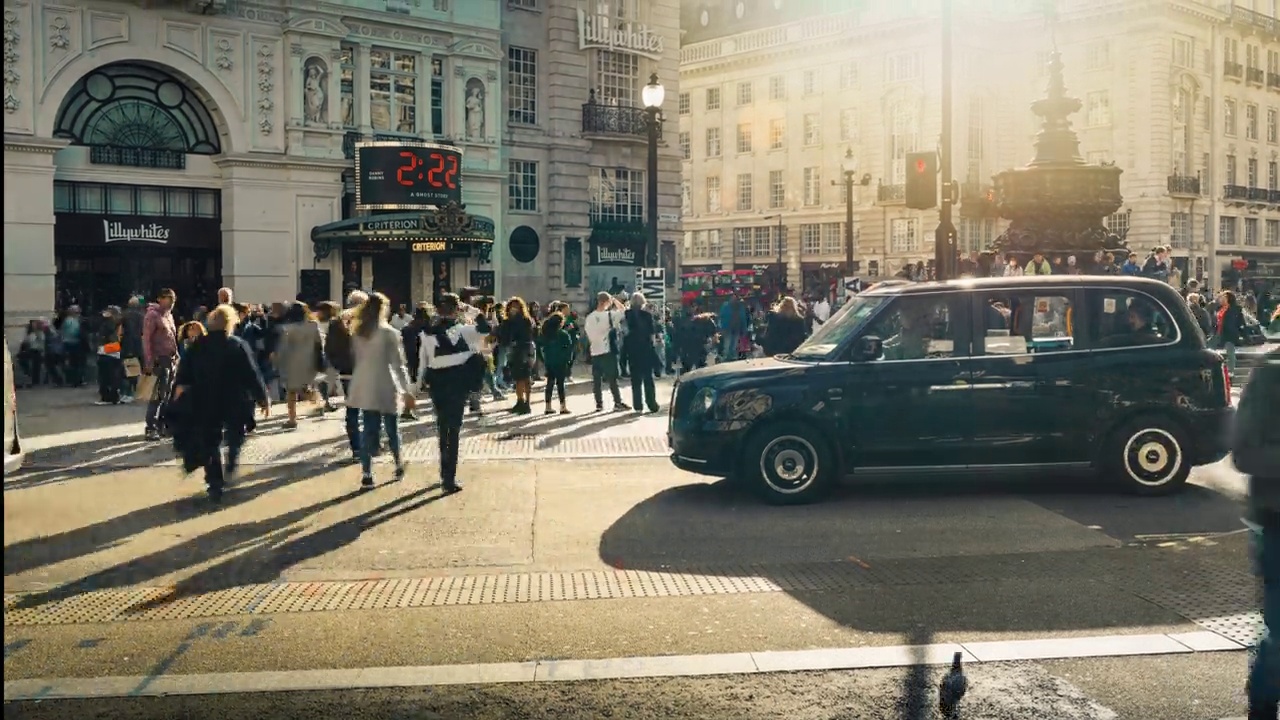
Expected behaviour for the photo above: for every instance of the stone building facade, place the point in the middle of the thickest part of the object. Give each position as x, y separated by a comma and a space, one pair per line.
776, 98
575, 143
198, 144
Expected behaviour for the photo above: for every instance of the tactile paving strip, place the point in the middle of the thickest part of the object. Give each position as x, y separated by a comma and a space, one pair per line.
1221, 600
420, 451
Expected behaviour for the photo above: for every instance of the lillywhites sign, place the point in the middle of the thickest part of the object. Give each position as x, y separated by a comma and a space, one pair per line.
116, 231
618, 256
602, 31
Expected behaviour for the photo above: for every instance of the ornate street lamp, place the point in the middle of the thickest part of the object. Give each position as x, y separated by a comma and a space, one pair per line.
652, 96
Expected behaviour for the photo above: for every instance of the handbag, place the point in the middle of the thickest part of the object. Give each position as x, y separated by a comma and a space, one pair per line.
132, 368
146, 387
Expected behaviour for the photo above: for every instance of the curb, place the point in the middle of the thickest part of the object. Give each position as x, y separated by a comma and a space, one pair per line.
748, 663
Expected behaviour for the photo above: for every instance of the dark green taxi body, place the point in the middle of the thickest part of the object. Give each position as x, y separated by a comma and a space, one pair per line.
1030, 402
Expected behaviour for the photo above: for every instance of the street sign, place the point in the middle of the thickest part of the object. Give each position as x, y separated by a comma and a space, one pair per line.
669, 217
652, 282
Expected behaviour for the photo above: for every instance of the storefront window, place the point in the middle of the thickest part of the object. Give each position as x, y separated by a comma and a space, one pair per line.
150, 201
207, 203
89, 198
179, 202
62, 201
393, 80
119, 199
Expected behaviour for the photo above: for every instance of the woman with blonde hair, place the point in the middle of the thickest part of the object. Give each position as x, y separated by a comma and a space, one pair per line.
785, 330
217, 385
380, 386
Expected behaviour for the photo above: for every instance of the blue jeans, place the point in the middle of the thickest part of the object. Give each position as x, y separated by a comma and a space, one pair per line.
729, 345
374, 421
1264, 680
352, 420
1230, 351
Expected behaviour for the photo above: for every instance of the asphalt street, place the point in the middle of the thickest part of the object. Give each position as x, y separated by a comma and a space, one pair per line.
1194, 687
128, 571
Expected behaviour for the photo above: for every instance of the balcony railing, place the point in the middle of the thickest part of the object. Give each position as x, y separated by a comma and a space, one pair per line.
891, 194
1250, 20
1184, 185
1255, 75
605, 119
1235, 192
1273, 80
1257, 194
1232, 69
138, 157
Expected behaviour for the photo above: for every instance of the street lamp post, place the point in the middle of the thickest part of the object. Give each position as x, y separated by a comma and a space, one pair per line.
850, 167
782, 263
944, 248
652, 95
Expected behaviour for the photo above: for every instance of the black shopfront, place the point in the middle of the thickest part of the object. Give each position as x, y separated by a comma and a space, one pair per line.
616, 251
112, 242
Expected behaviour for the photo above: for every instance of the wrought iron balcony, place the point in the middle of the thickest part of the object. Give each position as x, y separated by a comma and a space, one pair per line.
138, 157
1235, 192
1257, 194
1184, 185
1273, 197
1273, 80
1255, 75
890, 194
606, 119
1232, 69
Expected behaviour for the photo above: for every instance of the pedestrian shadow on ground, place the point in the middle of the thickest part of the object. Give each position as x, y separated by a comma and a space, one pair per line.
34, 553
906, 570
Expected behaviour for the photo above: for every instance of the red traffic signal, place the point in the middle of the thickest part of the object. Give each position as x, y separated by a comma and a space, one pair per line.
922, 180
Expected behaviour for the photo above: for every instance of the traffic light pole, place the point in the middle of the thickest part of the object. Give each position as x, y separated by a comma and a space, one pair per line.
944, 248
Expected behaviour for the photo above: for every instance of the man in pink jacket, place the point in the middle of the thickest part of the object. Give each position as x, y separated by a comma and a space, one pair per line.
159, 354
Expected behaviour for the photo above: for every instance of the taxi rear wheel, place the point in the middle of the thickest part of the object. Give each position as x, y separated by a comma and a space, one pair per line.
1147, 456
788, 464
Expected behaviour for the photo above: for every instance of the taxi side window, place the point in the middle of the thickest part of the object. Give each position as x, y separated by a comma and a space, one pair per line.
1026, 322
916, 328
1128, 319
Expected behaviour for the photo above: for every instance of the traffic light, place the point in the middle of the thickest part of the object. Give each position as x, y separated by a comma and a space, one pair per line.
922, 180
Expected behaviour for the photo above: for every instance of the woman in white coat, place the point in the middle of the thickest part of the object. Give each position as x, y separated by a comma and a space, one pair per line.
380, 386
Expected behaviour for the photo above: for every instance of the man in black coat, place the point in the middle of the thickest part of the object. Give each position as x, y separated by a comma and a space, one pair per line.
1256, 452
639, 351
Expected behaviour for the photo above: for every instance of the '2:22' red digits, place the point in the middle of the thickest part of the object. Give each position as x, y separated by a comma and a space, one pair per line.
443, 173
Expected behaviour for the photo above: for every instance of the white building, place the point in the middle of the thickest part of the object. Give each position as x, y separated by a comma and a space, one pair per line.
151, 144
576, 141
1178, 93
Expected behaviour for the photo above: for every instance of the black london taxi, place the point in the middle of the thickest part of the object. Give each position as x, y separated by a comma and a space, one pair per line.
1103, 374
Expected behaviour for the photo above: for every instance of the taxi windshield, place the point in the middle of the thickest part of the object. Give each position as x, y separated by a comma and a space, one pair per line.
840, 327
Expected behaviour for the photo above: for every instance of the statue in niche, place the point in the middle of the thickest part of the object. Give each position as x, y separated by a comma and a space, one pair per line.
475, 109
315, 98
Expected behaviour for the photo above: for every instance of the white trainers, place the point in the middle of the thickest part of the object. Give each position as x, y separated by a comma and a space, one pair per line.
126, 398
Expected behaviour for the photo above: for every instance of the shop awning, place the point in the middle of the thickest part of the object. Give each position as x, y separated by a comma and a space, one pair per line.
449, 229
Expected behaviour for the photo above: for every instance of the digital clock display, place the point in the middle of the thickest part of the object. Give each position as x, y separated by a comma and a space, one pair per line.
407, 175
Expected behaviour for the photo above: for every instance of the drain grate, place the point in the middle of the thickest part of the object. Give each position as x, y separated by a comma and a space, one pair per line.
1218, 599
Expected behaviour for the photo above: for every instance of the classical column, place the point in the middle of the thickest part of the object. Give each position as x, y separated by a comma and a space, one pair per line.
361, 98
29, 266
295, 85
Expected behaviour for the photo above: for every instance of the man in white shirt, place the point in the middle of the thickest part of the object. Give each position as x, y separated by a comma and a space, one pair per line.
400, 318
603, 328
821, 313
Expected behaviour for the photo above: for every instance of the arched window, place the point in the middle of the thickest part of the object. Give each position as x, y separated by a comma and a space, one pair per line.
132, 107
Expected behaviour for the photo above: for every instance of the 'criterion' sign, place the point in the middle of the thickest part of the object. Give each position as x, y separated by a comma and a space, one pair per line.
430, 246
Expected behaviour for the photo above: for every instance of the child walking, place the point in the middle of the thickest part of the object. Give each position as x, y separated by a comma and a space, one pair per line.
557, 357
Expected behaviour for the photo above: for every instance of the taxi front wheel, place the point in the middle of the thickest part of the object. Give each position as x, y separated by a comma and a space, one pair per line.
789, 464
1147, 456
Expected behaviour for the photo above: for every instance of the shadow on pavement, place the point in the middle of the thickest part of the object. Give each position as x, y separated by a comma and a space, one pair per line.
39, 552
920, 579
239, 537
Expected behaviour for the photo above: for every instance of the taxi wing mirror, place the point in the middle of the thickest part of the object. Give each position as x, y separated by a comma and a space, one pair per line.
868, 347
